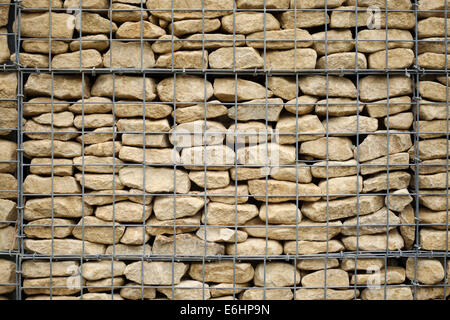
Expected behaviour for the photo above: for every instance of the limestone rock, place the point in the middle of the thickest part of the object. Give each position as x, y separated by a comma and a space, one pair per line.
426, 271
337, 41
37, 25
243, 173
41, 269
218, 213
396, 105
128, 55
316, 264
350, 125
381, 181
224, 289
134, 236
49, 228
8, 156
214, 179
213, 157
312, 4
257, 109
165, 207
282, 191
133, 30
63, 207
339, 149
222, 272
431, 239
329, 294
301, 105
93, 105
189, 89
8, 212
376, 145
132, 291
209, 110
125, 87
305, 19
227, 90
213, 9
305, 126
408, 230
276, 274
93, 23
433, 91
123, 15
96, 230
395, 38
8, 240
399, 58
155, 273
270, 153
392, 293
186, 244
214, 41
58, 286
235, 58
391, 275
344, 60
312, 247
215, 234
189, 26
397, 161
102, 269
249, 22
27, 59
283, 87
432, 27
238, 194
99, 135
271, 39
152, 156
398, 200
8, 121
334, 169
259, 4
64, 87
402, 121
103, 149
124, 211
43, 46
164, 44
431, 149
63, 247
198, 133
299, 173
341, 187
98, 42
334, 278
435, 201
374, 242
255, 246
291, 59
46, 131
43, 185
125, 109
99, 181
335, 87
183, 225
433, 219
83, 59
185, 290
373, 88
373, 223
97, 164
127, 250
195, 59
8, 186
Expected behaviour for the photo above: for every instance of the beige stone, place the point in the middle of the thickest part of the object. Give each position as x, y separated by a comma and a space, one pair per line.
374, 242
291, 59
92, 121
156, 179
305, 19
103, 149
329, 294
214, 179
58, 86
431, 293
433, 91
302, 128
96, 230
335, 87
128, 250
334, 169
136, 30
373, 88
282, 191
435, 201
397, 161
312, 247
8, 120
99, 181
63, 247
227, 90
185, 290
103, 197
249, 22
97, 164
122, 15
132, 291
8, 239
183, 225
376, 145
166, 43
125, 109
333, 188
336, 41
276, 274
317, 264
151, 156
238, 194
373, 223
432, 45
350, 125
211, 157
43, 46
218, 213
189, 89
84, 59
235, 58
407, 229
102, 269
299, 173
255, 246
344, 60
41, 269
396, 105
266, 154
189, 26
431, 239
334, 278
8, 156
283, 87
99, 135
395, 180
8, 212
27, 59
124, 211
399, 58
37, 25
342, 208
224, 289
49, 228
43, 185
94, 105
437, 127
431, 149
432, 27
260, 4
208, 110
301, 105
8, 186
243, 173
37, 106
47, 132
104, 285
129, 55
165, 207
58, 286
198, 133
395, 38
155, 273
257, 109
219, 234
389, 293
58, 207
391, 275
61, 119
398, 200
186, 244
433, 181
195, 59
195, 6
426, 271
131, 125
433, 219
98, 42
401, 121
222, 272
339, 149
431, 60
213, 41
295, 38
366, 264
125, 87
93, 23
134, 236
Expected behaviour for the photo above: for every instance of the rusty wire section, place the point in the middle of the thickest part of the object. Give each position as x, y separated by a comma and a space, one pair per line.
242, 150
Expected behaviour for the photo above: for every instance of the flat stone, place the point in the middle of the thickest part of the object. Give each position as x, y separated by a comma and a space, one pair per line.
334, 278
271, 39
93, 105
36, 25
29, 60
214, 179
134, 30
342, 208
398, 58
49, 228
189, 89
373, 88
43, 46
41, 269
129, 55
97, 164
135, 236
330, 294
131, 125
210, 157
43, 185
438, 127
185, 290
343, 60
98, 198
235, 58
371, 224
333, 188
155, 273
213, 9
396, 105
61, 119
58, 207
408, 230
213, 41
101, 296
8, 121
219, 234
302, 129
334, 169
260, 4
433, 45
63, 247
128, 250
156, 179
122, 15
198, 133
376, 145
225, 289
152, 156
195, 59
8, 91
96, 230
185, 244
397, 180
103, 149
335, 87
433, 181
227, 90
374, 242
183, 225
249, 22
299, 173
243, 173
58, 286
257, 109
432, 27
124, 211
435, 201
89, 4
125, 109
433, 219
266, 154
165, 209
316, 264
210, 110
339, 149
426, 271
431, 239
104, 285
350, 125
431, 149
84, 59
164, 44
101, 270
238, 194
124, 87
391, 275
283, 87
401, 121
99, 135
397, 161
284, 59
189, 26
433, 91
431, 60
349, 264
218, 213
431, 293
132, 291
8, 212
282, 191
390, 293
92, 121
305, 19
46, 131
93, 23
37, 106
398, 200
395, 38
64, 87
389, 4
8, 238
222, 272
98, 42
282, 213
276, 274
8, 183
337, 41
301, 105
99, 181
9, 154
312, 247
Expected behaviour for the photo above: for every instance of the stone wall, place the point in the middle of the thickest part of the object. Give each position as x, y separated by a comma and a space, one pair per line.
309, 144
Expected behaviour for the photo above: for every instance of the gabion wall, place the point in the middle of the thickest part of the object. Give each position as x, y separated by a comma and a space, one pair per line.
222, 149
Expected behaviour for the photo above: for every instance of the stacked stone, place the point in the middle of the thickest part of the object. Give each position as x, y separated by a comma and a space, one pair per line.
133, 165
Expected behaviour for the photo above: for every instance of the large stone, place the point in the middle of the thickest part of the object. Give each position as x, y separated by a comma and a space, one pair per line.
433, 181
373, 88
237, 194
255, 247
8, 212
219, 234
350, 125
374, 242
331, 148
134, 236
243, 173
373, 223
222, 272
334, 278
213, 9
58, 286
329, 294
401, 121
151, 156
437, 127
337, 41
37, 25
92, 121
41, 269
249, 22
432, 27
224, 289
259, 109
383, 4
43, 185
125, 109
334, 169
195, 59
97, 230
383, 181
124, 87
99, 181
166, 43
63, 247
282, 191
433, 45
84, 59
431, 239
342, 208
303, 19
426, 271
376, 145
129, 55
49, 228
198, 133
210, 179
266, 154
379, 109
97, 164
388, 293
331, 86
390, 275
26, 59
189, 89
213, 41
333, 188
276, 274
408, 229
301, 105
211, 157
136, 30
317, 264
103, 149
155, 273
182, 27
124, 211
8, 91
433, 219
128, 250
303, 128
139, 125
397, 161
94, 105
235, 58
58, 86
61, 119
123, 15
227, 90
436, 201
45, 131
299, 173
98, 135
169, 207
433, 91
218, 213
58, 207
37, 106
295, 38
102, 269
8, 121
373, 40
283, 87
185, 244
182, 225
312, 247
185, 290
8, 238
93, 23
156, 179
44, 46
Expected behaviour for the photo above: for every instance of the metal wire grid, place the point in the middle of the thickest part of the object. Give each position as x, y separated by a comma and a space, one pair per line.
414, 72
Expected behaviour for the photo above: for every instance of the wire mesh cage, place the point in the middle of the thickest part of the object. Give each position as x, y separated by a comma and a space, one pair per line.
248, 149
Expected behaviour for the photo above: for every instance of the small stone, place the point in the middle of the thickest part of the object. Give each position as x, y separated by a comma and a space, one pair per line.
92, 121
195, 59
101, 270
398, 58
367, 264
257, 109
434, 45
132, 125
183, 225
408, 230
120, 14
63, 247
317, 264
192, 134
41, 269
284, 59
433, 91
104, 285
210, 157
301, 105
282, 191
389, 293
83, 59
373, 223
332, 86
218, 213
95, 198
398, 200
208, 110
125, 87
152, 156
436, 201
266, 154
397, 180
342, 208
330, 294
235, 58
58, 286
397, 161
333, 188
214, 179
182, 27
255, 246
8, 212
334, 169
43, 46
373, 88
58, 86
249, 22
96, 230
337, 41
339, 149
213, 41
167, 44
98, 135
99, 181
431, 239
302, 129
165, 208
295, 38
57, 207
213, 9
93, 23
37, 106
300, 173
312, 247
313, 4
374, 242
62, 119
49, 228
128, 250
46, 131
276, 274
376, 145
350, 125
283, 87
104, 149
134, 236
305, 19
391, 275
189, 89
37, 25
432, 27
8, 156
97, 164
40, 185
243, 173
97, 105
226, 90
396, 105
132, 291
431, 149
185, 244
438, 127
129, 55
219, 234
224, 289
334, 278
185, 290
426, 271
98, 42
124, 211
8, 91
433, 219
344, 60
395, 38
28, 59
401, 121
125, 109
155, 273
8, 239
136, 30
222, 272
433, 181
238, 194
